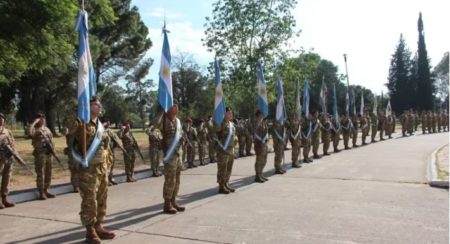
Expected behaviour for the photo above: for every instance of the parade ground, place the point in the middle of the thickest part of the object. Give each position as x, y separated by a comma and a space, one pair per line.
377, 193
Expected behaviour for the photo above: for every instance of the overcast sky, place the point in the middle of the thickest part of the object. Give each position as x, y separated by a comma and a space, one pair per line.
367, 31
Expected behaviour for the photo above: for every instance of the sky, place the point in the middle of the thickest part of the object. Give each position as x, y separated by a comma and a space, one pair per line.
367, 31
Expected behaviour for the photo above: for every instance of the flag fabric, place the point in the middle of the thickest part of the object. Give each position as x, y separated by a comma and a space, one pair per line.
323, 97
165, 92
335, 110
219, 103
353, 101
347, 102
86, 77
306, 99
298, 105
388, 109
262, 91
375, 104
361, 108
280, 113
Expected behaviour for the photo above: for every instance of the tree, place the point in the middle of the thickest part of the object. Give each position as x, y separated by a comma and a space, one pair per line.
424, 94
400, 79
441, 74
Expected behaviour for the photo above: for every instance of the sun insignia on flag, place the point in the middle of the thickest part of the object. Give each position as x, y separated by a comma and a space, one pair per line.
166, 71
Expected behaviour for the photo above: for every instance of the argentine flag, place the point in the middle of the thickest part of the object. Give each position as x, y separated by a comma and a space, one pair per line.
219, 104
388, 109
86, 77
347, 102
280, 113
375, 104
335, 110
361, 109
298, 105
323, 97
165, 93
262, 91
306, 99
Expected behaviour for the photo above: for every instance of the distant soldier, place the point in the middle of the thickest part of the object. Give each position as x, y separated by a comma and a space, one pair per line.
381, 124
394, 118
355, 127
295, 138
155, 149
335, 132
112, 145
278, 135
446, 123
325, 132
306, 125
365, 126
346, 129
68, 151
130, 146
202, 136
434, 122
388, 126
416, 120
424, 122
42, 140
248, 126
225, 151
315, 134
439, 122
404, 121
410, 123
429, 122
190, 137
373, 126
211, 142
261, 138
240, 131
6, 138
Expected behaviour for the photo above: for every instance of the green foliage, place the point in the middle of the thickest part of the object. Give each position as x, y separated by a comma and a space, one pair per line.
441, 74
425, 83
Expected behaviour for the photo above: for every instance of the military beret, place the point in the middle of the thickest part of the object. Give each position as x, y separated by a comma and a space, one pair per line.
188, 120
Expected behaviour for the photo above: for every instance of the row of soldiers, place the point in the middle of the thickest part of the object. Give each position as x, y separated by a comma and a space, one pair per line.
431, 122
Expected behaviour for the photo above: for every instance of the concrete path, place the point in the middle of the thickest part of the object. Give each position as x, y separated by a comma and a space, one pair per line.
372, 194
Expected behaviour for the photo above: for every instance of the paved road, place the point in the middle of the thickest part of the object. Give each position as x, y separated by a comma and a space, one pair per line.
373, 194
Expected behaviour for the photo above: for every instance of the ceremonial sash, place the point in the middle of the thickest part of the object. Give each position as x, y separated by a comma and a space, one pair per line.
84, 162
281, 138
228, 139
296, 134
174, 143
309, 132
263, 140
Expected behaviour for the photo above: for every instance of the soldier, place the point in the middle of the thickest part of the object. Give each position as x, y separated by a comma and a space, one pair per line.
355, 125
278, 135
373, 125
306, 126
381, 124
68, 152
346, 129
154, 142
325, 132
439, 121
93, 178
225, 151
112, 145
394, 119
202, 136
248, 137
171, 129
429, 122
6, 138
365, 126
261, 138
434, 121
404, 122
388, 126
416, 120
424, 122
130, 147
295, 138
42, 141
190, 136
240, 131
335, 133
211, 142
315, 133
410, 123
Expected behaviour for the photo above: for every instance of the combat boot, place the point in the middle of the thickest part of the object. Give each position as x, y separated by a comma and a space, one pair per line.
42, 195
2, 206
177, 207
102, 233
111, 180
223, 189
6, 203
259, 179
48, 194
91, 235
168, 208
231, 189
296, 165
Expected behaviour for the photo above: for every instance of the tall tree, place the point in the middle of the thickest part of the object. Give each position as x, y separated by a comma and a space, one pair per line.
441, 74
425, 83
399, 79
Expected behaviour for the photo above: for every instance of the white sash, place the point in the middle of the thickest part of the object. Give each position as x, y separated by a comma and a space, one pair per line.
84, 162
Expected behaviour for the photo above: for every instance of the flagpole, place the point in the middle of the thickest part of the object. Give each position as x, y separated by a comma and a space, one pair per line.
346, 70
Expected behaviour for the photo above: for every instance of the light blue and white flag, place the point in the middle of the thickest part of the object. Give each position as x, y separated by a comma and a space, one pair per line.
262, 90
347, 102
86, 77
219, 103
280, 113
323, 97
165, 92
388, 109
306, 99
298, 105
361, 109
335, 110
375, 104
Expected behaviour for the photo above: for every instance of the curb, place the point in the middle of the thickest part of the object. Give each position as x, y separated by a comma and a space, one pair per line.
432, 170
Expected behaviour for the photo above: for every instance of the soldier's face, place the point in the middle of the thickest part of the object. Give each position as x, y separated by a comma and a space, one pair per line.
2, 121
96, 108
172, 112
229, 115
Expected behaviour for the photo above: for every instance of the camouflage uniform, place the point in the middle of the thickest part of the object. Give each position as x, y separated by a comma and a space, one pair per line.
365, 127
211, 143
315, 137
240, 131
404, 122
335, 133
154, 146
248, 137
374, 126
410, 123
130, 157
112, 146
278, 135
325, 133
416, 121
6, 137
388, 126
424, 122
394, 119
225, 156
68, 152
202, 135
260, 141
190, 138
430, 122
439, 122
306, 126
355, 124
346, 130
43, 158
295, 138
381, 125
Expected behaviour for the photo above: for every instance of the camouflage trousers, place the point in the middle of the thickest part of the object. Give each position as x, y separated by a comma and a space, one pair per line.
211, 152
248, 144
326, 142
190, 153
43, 168
6, 171
335, 137
315, 145
364, 133
381, 133
73, 171
261, 157
201, 151
155, 158
354, 136
424, 128
388, 131
129, 160
346, 137
278, 147
224, 166
306, 143
374, 133
242, 140
172, 172
296, 145
93, 185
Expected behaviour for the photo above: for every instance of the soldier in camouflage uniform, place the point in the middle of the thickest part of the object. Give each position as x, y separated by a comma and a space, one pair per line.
225, 133
154, 142
42, 137
130, 146
315, 134
6, 138
68, 152
373, 126
424, 122
388, 126
439, 122
355, 127
394, 118
381, 124
278, 135
261, 138
335, 133
365, 126
202, 136
410, 123
170, 127
240, 131
211, 142
346, 130
306, 126
325, 132
112, 145
92, 180
416, 120
404, 121
248, 137
429, 122
295, 138
190, 137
